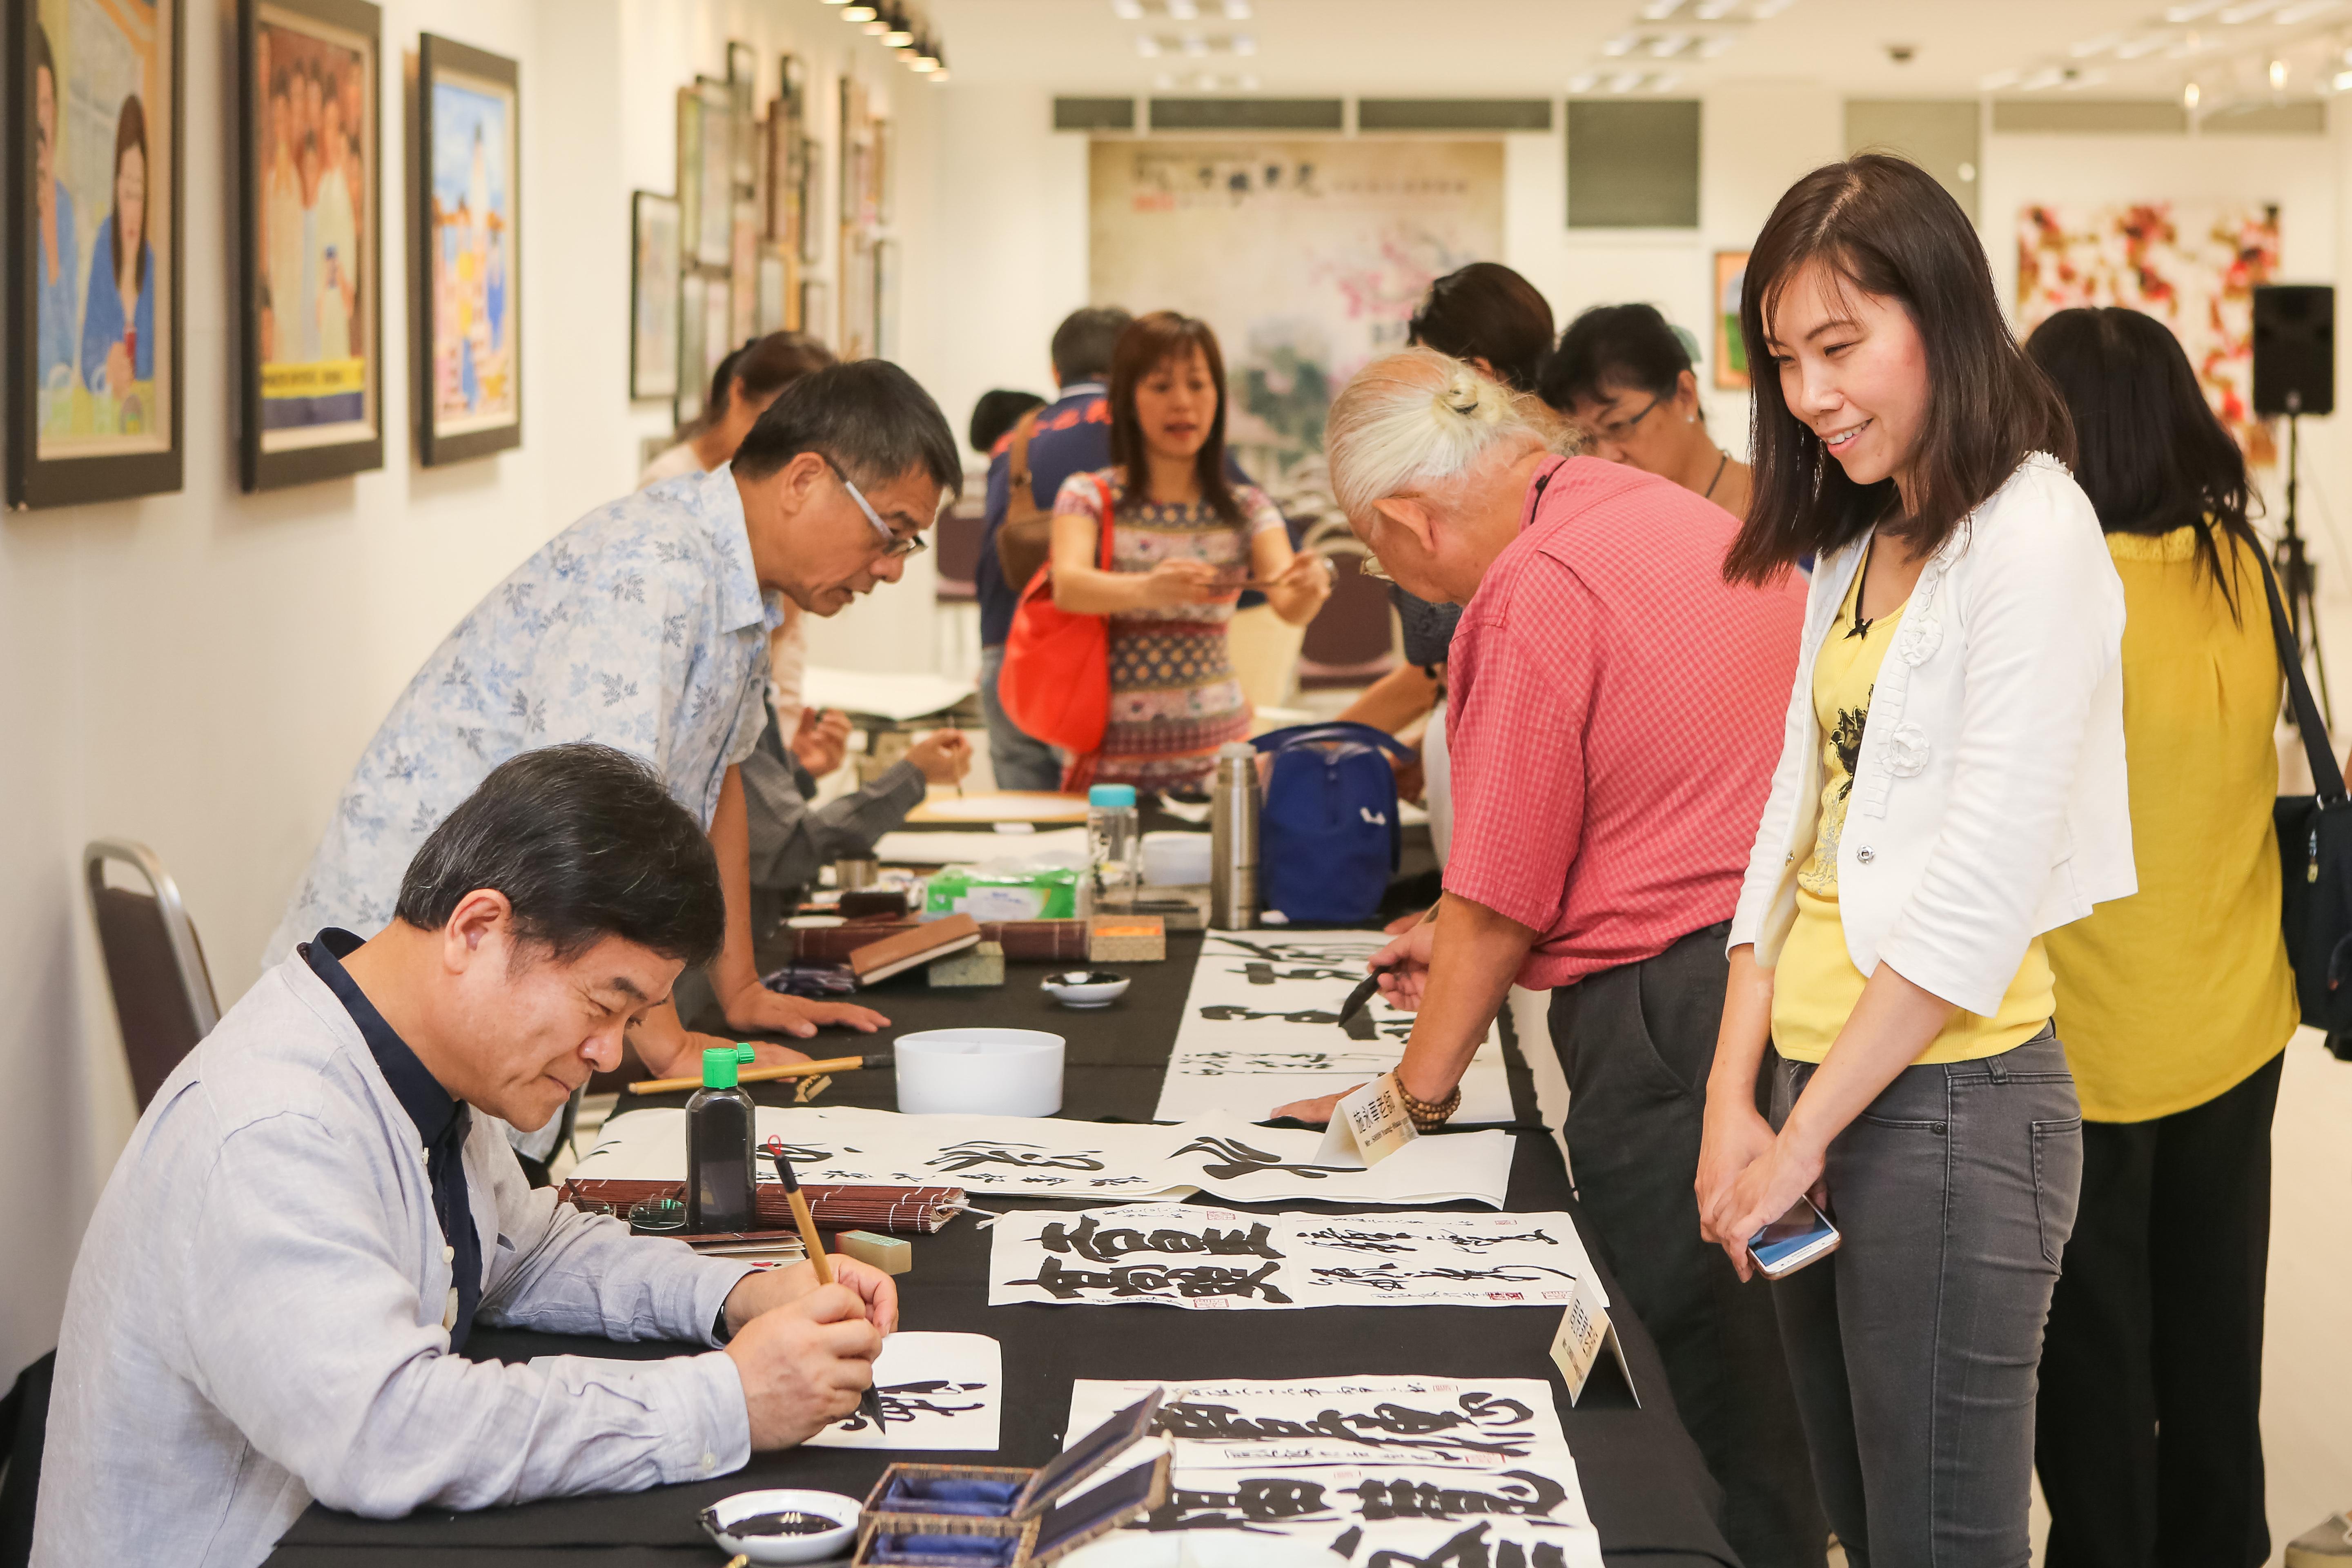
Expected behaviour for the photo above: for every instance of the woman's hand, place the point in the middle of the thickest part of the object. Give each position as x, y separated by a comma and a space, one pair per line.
755, 1008
1299, 591
1176, 582
1315, 1112
1768, 1188
1736, 1138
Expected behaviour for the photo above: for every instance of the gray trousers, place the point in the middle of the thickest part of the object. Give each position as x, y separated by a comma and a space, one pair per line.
1914, 1347
1637, 1043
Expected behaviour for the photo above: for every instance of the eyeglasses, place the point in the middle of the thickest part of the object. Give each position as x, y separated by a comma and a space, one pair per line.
1616, 431
895, 547
1368, 566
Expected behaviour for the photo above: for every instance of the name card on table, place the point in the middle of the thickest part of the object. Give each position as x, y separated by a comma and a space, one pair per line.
1584, 1329
1368, 1125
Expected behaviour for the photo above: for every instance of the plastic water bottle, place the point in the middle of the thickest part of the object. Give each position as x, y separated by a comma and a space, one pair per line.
1114, 843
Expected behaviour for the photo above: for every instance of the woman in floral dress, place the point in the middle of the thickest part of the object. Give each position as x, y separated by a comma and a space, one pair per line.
1184, 543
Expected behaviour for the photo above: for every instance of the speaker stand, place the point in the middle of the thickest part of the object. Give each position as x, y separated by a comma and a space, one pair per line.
2298, 578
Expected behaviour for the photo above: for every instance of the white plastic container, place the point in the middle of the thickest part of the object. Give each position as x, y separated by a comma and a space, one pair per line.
1175, 860
980, 1073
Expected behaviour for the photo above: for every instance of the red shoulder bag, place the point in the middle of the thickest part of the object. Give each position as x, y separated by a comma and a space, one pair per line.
1055, 682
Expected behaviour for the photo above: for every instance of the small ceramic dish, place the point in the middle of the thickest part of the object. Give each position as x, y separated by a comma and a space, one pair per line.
1084, 988
774, 1509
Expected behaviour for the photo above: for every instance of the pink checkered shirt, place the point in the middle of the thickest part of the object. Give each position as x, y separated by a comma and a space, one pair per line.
1614, 712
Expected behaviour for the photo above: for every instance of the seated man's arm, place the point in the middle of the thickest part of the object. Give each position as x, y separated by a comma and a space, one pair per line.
553, 1269
300, 1322
793, 840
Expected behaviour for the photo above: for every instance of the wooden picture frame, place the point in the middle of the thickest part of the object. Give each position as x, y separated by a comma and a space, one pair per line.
310, 326
654, 278
709, 237
467, 284
1730, 350
72, 440
692, 320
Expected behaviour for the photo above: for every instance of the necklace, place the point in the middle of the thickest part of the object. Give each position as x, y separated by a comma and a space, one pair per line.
1721, 463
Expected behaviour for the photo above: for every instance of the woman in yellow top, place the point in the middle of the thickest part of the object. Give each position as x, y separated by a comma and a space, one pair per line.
2175, 1003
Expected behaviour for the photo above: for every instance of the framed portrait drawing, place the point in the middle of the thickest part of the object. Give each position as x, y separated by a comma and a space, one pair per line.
468, 263
310, 305
653, 295
1731, 348
775, 291
692, 320
96, 263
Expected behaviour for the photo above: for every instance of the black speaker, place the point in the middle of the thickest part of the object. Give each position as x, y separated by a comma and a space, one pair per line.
2294, 349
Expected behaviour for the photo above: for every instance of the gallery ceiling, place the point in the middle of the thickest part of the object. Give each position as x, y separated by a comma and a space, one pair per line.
1866, 47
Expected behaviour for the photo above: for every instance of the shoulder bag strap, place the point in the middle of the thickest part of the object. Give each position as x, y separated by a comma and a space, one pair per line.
1109, 512
2327, 778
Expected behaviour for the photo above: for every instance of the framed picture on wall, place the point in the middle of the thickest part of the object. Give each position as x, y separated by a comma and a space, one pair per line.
743, 272
469, 273
811, 180
816, 311
711, 236
1730, 348
310, 302
775, 290
718, 338
94, 230
692, 320
653, 295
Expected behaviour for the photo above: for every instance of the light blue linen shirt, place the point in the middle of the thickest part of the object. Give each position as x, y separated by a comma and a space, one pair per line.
259, 1318
641, 626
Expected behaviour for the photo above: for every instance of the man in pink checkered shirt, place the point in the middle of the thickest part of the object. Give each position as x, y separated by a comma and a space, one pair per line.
1615, 714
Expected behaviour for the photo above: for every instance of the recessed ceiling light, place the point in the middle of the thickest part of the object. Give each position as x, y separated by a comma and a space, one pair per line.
1147, 46
2342, 81
1621, 44
1659, 10
1713, 10
2247, 11
1720, 45
2190, 94
1243, 44
1584, 81
1127, 10
2278, 75
2190, 12
1768, 9
2304, 10
1624, 81
1196, 46
1163, 82
1665, 82
1668, 45
1206, 81
2099, 46
1237, 10
857, 13
2146, 44
1183, 10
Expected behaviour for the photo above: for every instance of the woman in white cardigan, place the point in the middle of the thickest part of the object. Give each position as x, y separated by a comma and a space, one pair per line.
1951, 785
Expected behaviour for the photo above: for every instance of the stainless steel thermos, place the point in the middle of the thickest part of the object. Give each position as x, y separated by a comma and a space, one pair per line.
1233, 839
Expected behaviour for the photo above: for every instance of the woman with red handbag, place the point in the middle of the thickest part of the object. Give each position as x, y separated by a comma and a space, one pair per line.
1149, 556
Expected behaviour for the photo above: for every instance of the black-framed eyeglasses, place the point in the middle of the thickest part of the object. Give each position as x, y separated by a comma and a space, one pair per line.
896, 546
1615, 432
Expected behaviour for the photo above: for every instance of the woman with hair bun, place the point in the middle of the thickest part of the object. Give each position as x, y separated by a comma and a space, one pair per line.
1614, 710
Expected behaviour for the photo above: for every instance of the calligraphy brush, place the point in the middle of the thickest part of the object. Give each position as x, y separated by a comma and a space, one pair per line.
869, 1404
769, 1075
1360, 996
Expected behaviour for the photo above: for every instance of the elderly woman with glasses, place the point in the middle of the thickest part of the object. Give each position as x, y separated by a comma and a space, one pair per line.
1624, 375
1614, 714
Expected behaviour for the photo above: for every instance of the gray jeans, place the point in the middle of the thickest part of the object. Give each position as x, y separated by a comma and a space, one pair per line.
1914, 1347
1019, 760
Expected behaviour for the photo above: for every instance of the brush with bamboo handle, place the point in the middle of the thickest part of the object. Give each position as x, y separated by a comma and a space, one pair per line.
768, 1074
869, 1404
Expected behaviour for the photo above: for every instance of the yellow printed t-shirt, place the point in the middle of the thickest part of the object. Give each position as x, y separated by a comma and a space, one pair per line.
2176, 994
1816, 984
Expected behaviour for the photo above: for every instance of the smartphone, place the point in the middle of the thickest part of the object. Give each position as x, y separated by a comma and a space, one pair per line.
1801, 1235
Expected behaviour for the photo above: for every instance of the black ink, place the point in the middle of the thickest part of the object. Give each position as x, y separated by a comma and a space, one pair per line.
1389, 1276
1362, 1240
800, 1153
1474, 1428
1260, 973
905, 1401
1473, 1243
1257, 1500
1468, 1550
1117, 1182
1532, 1497
974, 1152
1220, 1064
1130, 1281
1234, 1158
781, 1524
1088, 1240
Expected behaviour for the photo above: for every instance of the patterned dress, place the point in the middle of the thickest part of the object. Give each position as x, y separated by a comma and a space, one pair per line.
1173, 695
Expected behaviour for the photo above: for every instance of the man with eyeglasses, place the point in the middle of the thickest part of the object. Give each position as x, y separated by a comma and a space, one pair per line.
644, 625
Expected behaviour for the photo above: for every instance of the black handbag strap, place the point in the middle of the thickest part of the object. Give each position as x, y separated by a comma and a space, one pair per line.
2327, 778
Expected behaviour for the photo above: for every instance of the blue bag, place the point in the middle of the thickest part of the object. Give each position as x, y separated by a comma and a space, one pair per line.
1327, 838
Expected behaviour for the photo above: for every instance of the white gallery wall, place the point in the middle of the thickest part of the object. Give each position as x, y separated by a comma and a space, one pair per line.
199, 670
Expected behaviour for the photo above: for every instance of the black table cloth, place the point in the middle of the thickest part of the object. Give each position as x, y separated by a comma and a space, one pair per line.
1644, 1482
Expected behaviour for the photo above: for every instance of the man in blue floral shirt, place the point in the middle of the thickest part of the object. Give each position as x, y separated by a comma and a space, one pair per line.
645, 626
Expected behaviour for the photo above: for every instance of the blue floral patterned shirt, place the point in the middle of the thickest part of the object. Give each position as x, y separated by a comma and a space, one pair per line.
641, 626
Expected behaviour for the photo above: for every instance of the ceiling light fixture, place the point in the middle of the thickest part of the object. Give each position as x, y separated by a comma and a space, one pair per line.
2278, 75
1623, 44
1713, 10
2148, 44
897, 35
2189, 95
1147, 46
1624, 81
857, 13
1127, 10
1237, 10
2304, 11
1659, 10
1768, 9
1665, 82
1196, 46
2247, 11
1996, 80
1720, 45
1243, 44
2189, 12
2343, 81
880, 24
1668, 45
1583, 82
2099, 46
1183, 10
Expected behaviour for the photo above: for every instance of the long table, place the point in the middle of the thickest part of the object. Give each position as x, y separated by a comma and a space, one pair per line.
1647, 1489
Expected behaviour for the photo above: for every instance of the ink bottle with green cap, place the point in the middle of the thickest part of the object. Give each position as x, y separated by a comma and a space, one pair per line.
718, 1138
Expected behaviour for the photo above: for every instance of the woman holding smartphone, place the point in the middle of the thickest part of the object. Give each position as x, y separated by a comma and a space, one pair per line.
1951, 785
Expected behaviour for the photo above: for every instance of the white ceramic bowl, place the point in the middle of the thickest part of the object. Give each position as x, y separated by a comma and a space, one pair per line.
980, 1073
816, 1548
1084, 988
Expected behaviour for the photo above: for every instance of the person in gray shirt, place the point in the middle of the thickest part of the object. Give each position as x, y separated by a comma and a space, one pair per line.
317, 1209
